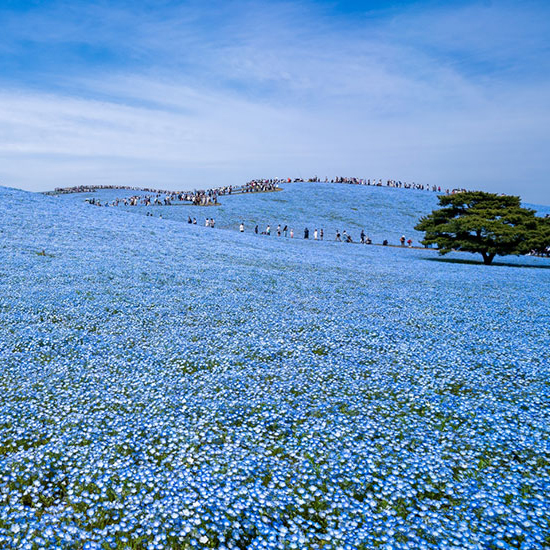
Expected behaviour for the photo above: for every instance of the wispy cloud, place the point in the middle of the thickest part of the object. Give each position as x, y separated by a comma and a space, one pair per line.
184, 96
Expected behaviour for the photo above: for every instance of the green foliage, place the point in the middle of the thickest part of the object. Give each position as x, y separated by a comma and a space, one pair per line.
541, 239
479, 222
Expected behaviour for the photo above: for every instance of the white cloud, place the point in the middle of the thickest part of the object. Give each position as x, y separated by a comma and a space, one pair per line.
286, 92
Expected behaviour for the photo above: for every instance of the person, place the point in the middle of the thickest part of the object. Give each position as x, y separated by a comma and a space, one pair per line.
189, 220
256, 229
402, 240
338, 235
206, 222
315, 234
321, 234
285, 230
385, 243
306, 233
362, 236
368, 240
345, 236
241, 227
409, 242
279, 230
292, 233
268, 230
195, 221
212, 222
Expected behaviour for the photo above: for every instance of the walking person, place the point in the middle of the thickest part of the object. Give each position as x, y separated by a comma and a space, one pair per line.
241, 227
315, 234
306, 233
321, 234
292, 233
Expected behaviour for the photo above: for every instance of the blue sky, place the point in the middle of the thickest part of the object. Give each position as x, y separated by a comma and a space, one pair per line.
179, 95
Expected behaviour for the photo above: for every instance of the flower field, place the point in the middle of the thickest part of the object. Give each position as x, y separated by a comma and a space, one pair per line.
384, 213
165, 385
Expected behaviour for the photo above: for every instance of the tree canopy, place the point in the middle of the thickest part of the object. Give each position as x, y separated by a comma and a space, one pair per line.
484, 223
541, 240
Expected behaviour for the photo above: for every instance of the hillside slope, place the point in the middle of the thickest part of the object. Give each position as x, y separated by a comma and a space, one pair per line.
172, 386
383, 213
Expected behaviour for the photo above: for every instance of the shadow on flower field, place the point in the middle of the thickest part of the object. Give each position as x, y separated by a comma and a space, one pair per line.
538, 263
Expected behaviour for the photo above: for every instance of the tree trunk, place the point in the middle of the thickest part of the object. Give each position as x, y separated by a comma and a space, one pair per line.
487, 258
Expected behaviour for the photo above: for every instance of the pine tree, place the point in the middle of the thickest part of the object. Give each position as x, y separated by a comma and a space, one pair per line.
479, 222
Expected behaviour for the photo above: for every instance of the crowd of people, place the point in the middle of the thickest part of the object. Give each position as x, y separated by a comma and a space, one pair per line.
208, 197
165, 198
93, 188
160, 197
157, 197
369, 182
319, 234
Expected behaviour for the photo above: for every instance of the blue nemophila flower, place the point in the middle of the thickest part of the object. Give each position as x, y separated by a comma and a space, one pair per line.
189, 388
